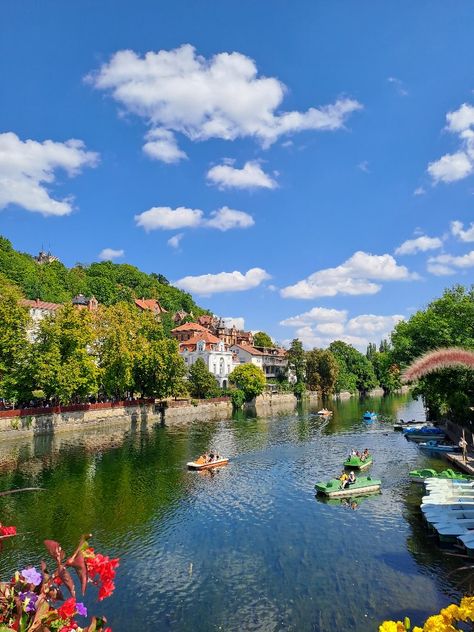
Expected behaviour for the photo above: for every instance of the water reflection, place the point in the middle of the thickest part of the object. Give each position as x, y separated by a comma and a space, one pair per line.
242, 547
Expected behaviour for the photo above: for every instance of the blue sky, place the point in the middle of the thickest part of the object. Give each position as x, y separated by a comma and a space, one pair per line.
287, 150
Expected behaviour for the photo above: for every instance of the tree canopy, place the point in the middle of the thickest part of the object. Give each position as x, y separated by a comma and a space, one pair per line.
262, 339
249, 379
202, 383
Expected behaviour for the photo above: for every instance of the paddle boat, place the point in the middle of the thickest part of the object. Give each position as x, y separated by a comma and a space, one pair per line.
363, 485
357, 463
434, 446
197, 465
420, 476
422, 434
408, 424
369, 416
467, 541
324, 412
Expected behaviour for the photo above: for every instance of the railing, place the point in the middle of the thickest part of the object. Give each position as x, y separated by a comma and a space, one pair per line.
48, 410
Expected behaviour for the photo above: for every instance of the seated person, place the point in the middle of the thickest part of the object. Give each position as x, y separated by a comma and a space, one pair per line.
353, 452
344, 479
211, 457
365, 454
351, 478
202, 459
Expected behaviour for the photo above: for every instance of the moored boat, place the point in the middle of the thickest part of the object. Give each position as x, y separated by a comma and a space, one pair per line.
422, 434
369, 416
363, 485
421, 475
435, 446
195, 465
408, 424
357, 463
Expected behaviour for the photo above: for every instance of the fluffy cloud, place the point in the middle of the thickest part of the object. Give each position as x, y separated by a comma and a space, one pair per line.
420, 244
207, 284
175, 240
320, 326
355, 276
251, 176
449, 264
226, 218
166, 218
108, 254
456, 166
221, 97
27, 167
457, 229
161, 145
232, 321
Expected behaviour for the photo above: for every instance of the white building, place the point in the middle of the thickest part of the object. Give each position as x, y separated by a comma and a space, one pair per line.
248, 355
217, 358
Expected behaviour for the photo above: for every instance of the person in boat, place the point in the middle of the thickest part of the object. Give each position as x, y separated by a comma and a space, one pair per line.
202, 459
365, 455
343, 478
351, 478
353, 452
211, 458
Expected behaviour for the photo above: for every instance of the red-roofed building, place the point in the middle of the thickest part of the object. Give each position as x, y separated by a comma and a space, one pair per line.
248, 354
213, 352
151, 305
186, 331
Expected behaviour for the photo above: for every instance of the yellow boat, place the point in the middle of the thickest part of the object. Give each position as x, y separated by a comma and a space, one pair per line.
194, 465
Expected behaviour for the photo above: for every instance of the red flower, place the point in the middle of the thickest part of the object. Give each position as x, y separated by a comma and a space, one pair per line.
7, 530
68, 609
101, 571
58, 581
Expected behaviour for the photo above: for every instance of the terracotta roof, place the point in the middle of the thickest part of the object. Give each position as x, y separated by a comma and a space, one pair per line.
249, 349
26, 302
150, 303
206, 336
190, 327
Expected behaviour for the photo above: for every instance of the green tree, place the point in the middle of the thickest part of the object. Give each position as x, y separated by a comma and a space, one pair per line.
386, 371
262, 339
64, 366
169, 369
371, 351
356, 373
321, 371
202, 383
249, 379
297, 364
446, 322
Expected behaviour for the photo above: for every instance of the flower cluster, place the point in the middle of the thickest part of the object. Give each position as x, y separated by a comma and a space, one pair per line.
101, 571
7, 531
445, 621
33, 599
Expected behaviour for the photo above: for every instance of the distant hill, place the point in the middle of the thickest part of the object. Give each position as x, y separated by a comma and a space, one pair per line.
108, 282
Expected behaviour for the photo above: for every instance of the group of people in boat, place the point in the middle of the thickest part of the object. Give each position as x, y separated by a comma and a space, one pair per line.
212, 457
362, 456
347, 479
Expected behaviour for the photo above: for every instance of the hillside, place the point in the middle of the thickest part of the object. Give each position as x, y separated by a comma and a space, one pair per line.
108, 282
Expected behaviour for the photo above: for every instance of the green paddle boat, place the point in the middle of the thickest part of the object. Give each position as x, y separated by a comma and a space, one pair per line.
420, 475
363, 485
356, 463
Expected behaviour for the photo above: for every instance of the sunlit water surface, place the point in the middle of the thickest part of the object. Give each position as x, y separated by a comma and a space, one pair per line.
248, 547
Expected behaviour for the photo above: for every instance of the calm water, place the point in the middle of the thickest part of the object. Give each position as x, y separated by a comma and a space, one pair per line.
249, 547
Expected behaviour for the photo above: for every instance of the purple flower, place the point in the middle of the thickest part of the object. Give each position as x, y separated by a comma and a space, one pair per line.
30, 599
32, 576
81, 609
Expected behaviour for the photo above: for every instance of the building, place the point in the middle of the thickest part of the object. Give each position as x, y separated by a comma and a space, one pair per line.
152, 305
179, 316
248, 355
274, 362
82, 302
187, 331
217, 358
229, 335
45, 257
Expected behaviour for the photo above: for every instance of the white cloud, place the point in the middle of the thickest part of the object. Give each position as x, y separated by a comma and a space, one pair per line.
251, 176
221, 97
232, 321
457, 229
166, 218
459, 165
27, 167
399, 85
175, 240
419, 191
161, 145
226, 218
316, 315
449, 264
207, 284
355, 276
108, 254
420, 244
357, 331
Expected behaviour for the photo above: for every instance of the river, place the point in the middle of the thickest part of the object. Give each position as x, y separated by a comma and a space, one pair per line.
248, 547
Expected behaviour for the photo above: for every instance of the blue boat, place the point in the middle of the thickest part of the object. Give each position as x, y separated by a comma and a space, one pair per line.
434, 446
423, 434
368, 416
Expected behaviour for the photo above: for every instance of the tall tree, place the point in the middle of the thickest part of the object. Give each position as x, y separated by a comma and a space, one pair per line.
297, 364
321, 371
249, 379
202, 383
355, 370
262, 339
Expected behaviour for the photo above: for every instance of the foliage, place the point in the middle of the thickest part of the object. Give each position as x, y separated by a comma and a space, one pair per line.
63, 366
387, 371
262, 339
445, 621
109, 282
202, 384
238, 398
34, 600
322, 370
446, 322
297, 360
250, 379
355, 370
168, 370
14, 344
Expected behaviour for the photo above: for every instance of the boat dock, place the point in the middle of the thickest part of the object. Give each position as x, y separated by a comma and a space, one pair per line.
457, 460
